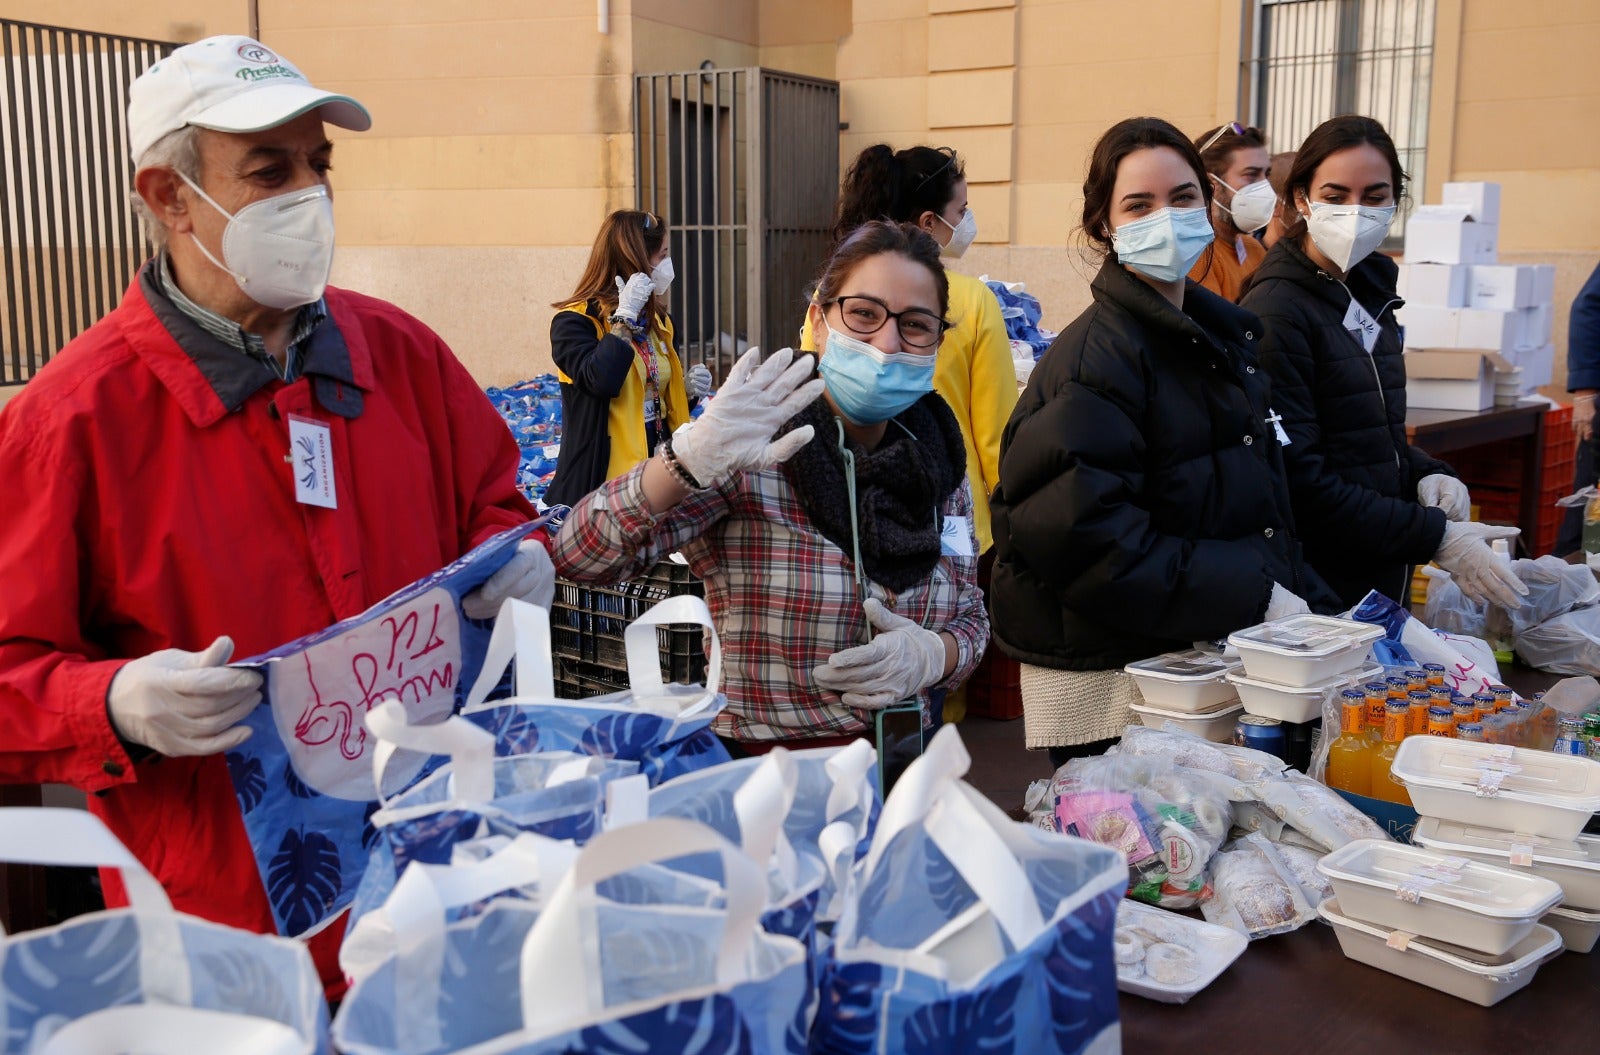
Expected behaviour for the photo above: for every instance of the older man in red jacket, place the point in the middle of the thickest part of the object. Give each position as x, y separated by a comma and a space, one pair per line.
153, 521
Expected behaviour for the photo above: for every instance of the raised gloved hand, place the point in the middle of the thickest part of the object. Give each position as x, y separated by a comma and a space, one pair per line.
527, 576
1480, 574
632, 296
735, 433
184, 703
697, 382
1283, 603
1446, 493
902, 660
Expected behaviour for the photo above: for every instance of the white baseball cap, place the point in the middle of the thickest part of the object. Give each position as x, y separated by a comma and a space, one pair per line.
230, 84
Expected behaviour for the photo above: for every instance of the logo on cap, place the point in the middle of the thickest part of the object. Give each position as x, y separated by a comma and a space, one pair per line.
253, 52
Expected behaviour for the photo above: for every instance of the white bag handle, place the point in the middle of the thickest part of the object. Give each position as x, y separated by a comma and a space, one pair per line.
644, 650
162, 1029
762, 804
560, 961
49, 835
848, 766
470, 748
929, 793
521, 635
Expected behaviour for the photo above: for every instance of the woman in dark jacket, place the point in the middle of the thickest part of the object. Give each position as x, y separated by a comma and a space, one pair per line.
1368, 504
1142, 504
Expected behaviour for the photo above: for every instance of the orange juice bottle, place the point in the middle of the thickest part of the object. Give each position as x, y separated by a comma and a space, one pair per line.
1435, 672
1377, 694
1417, 712
1442, 722
1384, 786
1350, 756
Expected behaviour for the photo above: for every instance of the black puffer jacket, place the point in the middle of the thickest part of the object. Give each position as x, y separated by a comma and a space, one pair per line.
1351, 472
1142, 504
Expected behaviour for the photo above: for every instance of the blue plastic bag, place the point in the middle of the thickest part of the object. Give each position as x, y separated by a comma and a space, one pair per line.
144, 976
680, 977
972, 932
1022, 315
304, 778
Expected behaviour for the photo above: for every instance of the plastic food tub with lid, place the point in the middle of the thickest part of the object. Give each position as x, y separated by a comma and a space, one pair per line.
1573, 864
1460, 972
1514, 789
1185, 681
1298, 703
1216, 725
1451, 899
1578, 929
1303, 649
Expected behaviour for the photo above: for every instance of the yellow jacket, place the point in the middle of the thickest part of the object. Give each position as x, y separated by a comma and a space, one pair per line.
975, 375
587, 367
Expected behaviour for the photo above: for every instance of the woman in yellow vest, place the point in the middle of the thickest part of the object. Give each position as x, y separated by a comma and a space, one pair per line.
622, 386
974, 372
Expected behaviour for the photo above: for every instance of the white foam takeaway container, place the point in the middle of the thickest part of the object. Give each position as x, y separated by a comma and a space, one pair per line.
1572, 864
1538, 792
1294, 704
1215, 948
1454, 899
1215, 725
1302, 650
1579, 930
1185, 681
1458, 972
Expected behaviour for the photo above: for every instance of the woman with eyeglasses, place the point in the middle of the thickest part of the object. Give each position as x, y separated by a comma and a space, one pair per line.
833, 534
1142, 504
1369, 504
622, 385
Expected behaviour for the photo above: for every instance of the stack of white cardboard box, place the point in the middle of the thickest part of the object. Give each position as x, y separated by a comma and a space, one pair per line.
1477, 333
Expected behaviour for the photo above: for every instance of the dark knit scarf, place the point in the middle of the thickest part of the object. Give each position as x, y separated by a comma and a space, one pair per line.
899, 487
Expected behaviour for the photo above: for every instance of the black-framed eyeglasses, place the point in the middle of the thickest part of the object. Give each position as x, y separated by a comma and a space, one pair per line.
949, 159
866, 315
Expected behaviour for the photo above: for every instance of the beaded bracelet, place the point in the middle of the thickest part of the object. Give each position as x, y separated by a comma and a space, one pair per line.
684, 477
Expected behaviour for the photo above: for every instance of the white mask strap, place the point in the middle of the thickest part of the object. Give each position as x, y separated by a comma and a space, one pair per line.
220, 266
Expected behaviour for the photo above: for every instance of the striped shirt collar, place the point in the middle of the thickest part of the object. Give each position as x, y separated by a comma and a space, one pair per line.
235, 336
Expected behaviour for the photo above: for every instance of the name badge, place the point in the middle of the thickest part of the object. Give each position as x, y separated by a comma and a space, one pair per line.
311, 456
1362, 326
955, 540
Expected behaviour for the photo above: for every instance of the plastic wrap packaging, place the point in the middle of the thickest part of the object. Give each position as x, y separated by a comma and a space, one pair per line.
1167, 820
1567, 644
1302, 864
1254, 892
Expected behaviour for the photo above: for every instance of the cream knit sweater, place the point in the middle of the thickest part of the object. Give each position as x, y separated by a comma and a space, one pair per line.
1062, 707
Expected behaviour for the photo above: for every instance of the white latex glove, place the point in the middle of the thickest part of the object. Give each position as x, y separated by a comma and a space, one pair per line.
1482, 576
697, 382
632, 296
1283, 603
735, 433
902, 660
1446, 493
527, 576
184, 703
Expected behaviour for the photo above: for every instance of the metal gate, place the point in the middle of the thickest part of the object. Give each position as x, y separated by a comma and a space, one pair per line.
744, 165
67, 227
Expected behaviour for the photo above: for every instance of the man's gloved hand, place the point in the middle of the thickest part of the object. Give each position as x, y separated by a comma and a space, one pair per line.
184, 703
697, 382
527, 576
632, 296
735, 433
1446, 493
1284, 602
900, 662
1482, 576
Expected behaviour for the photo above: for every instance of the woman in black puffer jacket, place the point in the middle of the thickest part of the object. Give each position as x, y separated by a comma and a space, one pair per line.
1368, 504
1142, 504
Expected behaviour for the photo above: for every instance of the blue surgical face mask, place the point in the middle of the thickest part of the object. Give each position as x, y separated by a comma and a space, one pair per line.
1164, 245
867, 385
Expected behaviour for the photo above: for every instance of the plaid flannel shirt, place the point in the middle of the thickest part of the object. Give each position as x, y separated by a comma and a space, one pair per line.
783, 598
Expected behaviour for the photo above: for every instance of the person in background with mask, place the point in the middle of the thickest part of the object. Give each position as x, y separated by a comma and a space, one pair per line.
1283, 214
1369, 504
622, 385
1142, 504
834, 534
1241, 204
975, 374
154, 524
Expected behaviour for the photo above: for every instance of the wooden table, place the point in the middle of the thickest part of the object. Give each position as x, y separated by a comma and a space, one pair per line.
1441, 431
